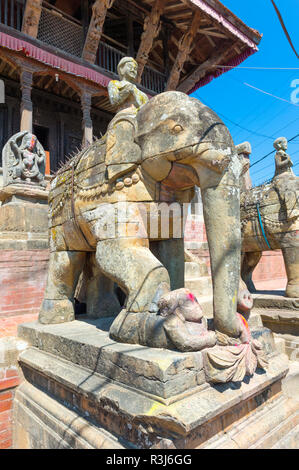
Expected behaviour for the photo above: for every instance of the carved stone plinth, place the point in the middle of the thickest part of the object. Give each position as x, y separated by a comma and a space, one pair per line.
83, 390
23, 217
281, 315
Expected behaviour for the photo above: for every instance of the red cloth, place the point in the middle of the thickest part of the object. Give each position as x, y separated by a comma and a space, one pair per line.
54, 61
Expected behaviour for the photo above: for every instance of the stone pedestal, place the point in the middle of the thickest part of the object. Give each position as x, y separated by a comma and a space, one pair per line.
23, 217
281, 315
83, 390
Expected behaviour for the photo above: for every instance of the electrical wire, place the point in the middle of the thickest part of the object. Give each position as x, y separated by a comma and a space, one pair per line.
268, 154
238, 125
255, 68
271, 164
270, 94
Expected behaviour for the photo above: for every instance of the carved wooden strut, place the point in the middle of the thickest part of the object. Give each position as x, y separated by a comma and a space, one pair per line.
99, 11
185, 47
152, 27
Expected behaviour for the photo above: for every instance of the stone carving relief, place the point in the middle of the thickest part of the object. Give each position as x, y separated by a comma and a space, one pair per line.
24, 160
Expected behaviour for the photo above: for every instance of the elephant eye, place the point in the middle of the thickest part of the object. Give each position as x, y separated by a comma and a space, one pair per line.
177, 129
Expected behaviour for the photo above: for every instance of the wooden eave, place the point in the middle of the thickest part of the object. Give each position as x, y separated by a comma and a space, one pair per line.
220, 28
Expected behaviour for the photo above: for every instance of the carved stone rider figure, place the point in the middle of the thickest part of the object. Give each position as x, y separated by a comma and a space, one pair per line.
284, 178
122, 153
283, 162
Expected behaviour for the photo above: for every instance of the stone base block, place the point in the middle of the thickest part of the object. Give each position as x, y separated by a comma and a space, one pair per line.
281, 315
83, 390
275, 301
23, 218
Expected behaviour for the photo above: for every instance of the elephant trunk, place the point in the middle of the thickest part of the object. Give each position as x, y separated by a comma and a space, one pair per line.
221, 205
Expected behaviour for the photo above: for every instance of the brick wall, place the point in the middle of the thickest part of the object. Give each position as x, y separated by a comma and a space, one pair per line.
9, 380
22, 281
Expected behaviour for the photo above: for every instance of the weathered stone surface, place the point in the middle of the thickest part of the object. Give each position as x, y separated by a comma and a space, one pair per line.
275, 301
285, 325
159, 372
188, 421
23, 218
61, 427
23, 192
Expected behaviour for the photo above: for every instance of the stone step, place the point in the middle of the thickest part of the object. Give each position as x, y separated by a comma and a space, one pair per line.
195, 270
290, 441
261, 429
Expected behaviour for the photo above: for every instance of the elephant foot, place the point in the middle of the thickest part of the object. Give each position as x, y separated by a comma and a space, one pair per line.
56, 311
109, 306
292, 291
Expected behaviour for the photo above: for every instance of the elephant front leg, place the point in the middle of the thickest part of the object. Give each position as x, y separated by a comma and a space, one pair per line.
291, 260
130, 263
221, 205
63, 274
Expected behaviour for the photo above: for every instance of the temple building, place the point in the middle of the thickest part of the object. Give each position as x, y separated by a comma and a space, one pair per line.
57, 58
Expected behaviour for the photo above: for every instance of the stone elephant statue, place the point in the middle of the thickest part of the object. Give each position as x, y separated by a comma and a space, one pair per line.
179, 144
270, 221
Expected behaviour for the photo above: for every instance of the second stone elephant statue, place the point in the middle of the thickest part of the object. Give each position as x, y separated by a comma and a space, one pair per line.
270, 221
180, 144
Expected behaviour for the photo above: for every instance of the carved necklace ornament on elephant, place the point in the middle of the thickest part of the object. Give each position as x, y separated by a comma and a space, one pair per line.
182, 144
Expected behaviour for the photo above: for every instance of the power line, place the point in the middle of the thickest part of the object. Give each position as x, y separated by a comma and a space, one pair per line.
270, 94
259, 106
271, 164
255, 68
276, 132
268, 154
238, 125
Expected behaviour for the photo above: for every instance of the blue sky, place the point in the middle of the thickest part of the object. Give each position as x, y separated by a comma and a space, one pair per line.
264, 117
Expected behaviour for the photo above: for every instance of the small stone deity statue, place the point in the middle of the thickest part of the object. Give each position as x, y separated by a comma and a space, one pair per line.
24, 160
283, 162
122, 153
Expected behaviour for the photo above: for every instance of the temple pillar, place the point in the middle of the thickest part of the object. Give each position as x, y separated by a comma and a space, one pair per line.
26, 79
31, 17
87, 121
